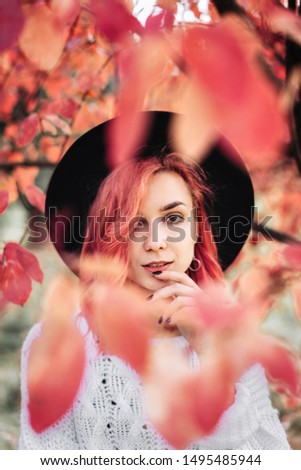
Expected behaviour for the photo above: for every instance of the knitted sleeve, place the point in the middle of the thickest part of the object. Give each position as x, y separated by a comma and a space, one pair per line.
250, 422
270, 434
61, 435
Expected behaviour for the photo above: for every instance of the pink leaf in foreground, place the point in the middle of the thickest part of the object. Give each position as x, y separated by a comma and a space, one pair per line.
11, 22
224, 61
292, 254
155, 22
4, 199
65, 10
141, 68
16, 253
36, 197
183, 404
42, 40
57, 357
56, 365
280, 363
118, 318
113, 20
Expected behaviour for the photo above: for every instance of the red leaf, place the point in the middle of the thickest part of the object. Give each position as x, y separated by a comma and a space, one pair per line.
11, 22
28, 130
224, 60
54, 125
36, 197
182, 404
15, 284
57, 356
279, 362
42, 40
119, 320
155, 22
66, 108
113, 20
65, 10
292, 254
4, 198
225, 314
56, 366
141, 66
17, 254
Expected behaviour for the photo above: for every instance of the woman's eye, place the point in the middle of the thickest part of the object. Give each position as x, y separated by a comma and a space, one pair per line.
174, 218
139, 225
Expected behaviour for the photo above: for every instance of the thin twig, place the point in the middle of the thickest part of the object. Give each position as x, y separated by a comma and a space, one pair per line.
274, 235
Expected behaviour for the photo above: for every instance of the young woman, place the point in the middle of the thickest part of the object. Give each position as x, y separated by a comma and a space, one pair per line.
152, 214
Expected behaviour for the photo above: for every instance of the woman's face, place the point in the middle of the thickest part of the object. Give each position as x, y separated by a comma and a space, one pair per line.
163, 231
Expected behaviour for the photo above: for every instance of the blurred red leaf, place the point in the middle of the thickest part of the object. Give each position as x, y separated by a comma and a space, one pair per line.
119, 321
28, 130
235, 326
11, 22
280, 363
57, 357
65, 10
36, 197
17, 254
192, 129
183, 404
141, 69
4, 199
113, 20
42, 40
228, 313
56, 366
224, 60
292, 254
15, 283
155, 22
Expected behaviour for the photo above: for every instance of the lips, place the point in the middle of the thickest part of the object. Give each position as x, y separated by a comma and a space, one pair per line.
157, 266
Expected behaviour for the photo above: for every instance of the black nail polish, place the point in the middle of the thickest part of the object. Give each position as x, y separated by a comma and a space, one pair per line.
160, 320
155, 273
150, 297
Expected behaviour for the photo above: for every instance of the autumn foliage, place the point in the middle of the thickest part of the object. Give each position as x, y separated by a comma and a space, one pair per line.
67, 65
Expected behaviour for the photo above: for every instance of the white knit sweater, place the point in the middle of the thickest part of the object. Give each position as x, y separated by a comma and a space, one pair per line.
109, 412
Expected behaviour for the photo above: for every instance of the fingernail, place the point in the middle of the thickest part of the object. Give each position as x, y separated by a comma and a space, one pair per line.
150, 297
156, 273
168, 320
160, 320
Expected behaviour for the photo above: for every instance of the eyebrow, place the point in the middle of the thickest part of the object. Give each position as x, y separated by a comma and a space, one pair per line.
172, 205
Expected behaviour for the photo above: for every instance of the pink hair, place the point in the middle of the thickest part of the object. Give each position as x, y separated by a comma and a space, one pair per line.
124, 189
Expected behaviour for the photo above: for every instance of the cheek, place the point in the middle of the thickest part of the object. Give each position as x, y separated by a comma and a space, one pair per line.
134, 253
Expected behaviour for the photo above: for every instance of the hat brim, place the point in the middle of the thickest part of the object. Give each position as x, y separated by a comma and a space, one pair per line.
78, 176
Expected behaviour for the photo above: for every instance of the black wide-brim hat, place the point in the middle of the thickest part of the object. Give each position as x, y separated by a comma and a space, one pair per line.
78, 176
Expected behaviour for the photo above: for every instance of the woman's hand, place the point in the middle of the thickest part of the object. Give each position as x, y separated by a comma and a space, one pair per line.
180, 311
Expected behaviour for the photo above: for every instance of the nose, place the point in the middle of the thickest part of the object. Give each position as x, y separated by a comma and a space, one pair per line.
156, 238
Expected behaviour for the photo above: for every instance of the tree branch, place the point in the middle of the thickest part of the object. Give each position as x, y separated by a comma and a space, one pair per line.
274, 235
